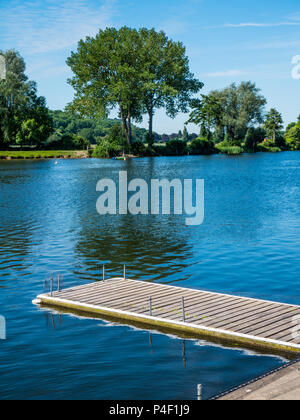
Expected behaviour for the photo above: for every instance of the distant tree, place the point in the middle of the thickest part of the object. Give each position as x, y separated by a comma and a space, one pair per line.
185, 134
273, 123
291, 125
231, 111
87, 134
207, 112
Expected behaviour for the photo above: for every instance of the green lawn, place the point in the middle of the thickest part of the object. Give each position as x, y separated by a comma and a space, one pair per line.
42, 154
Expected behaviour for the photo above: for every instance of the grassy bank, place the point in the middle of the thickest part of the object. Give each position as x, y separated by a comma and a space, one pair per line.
44, 154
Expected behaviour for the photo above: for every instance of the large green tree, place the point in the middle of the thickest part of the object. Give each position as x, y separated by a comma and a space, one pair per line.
167, 81
136, 71
23, 114
107, 75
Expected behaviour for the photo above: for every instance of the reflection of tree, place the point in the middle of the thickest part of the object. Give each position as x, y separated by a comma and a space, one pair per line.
15, 243
151, 246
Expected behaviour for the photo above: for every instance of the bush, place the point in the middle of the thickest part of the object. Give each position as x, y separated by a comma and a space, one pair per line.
201, 146
268, 146
105, 150
229, 149
176, 148
138, 149
292, 137
158, 150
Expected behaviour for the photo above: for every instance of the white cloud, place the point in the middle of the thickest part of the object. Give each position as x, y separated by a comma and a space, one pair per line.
36, 26
259, 25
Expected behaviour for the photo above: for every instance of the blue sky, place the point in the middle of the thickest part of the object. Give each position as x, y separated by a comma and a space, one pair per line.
227, 41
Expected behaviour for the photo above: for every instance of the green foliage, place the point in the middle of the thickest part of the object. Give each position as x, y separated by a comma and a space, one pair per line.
176, 147
138, 149
268, 146
105, 150
228, 148
24, 117
273, 124
90, 129
136, 71
116, 136
114, 145
201, 146
207, 113
292, 137
107, 74
254, 136
230, 111
185, 135
166, 80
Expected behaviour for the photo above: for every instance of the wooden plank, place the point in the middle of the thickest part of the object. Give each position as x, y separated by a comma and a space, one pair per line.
270, 323
250, 314
259, 317
265, 323
230, 306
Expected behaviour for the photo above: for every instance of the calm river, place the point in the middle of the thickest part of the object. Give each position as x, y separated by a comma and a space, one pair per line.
247, 245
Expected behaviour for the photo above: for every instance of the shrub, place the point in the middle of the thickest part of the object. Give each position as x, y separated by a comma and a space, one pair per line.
229, 149
105, 150
201, 146
176, 147
268, 146
138, 149
158, 150
292, 137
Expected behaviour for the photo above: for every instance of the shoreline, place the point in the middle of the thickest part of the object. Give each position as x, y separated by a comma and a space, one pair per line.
81, 154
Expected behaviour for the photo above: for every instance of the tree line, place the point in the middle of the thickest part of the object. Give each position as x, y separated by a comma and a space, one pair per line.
138, 72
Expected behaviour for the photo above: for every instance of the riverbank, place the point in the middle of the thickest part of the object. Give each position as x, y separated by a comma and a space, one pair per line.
83, 154
44, 154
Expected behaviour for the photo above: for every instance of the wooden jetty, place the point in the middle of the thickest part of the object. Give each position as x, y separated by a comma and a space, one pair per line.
250, 322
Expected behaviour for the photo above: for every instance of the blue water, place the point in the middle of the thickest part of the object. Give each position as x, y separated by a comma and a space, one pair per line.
247, 245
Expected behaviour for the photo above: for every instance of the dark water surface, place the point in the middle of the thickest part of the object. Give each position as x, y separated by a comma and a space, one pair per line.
248, 245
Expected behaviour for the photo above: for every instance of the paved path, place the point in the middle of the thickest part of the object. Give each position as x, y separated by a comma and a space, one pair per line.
282, 385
